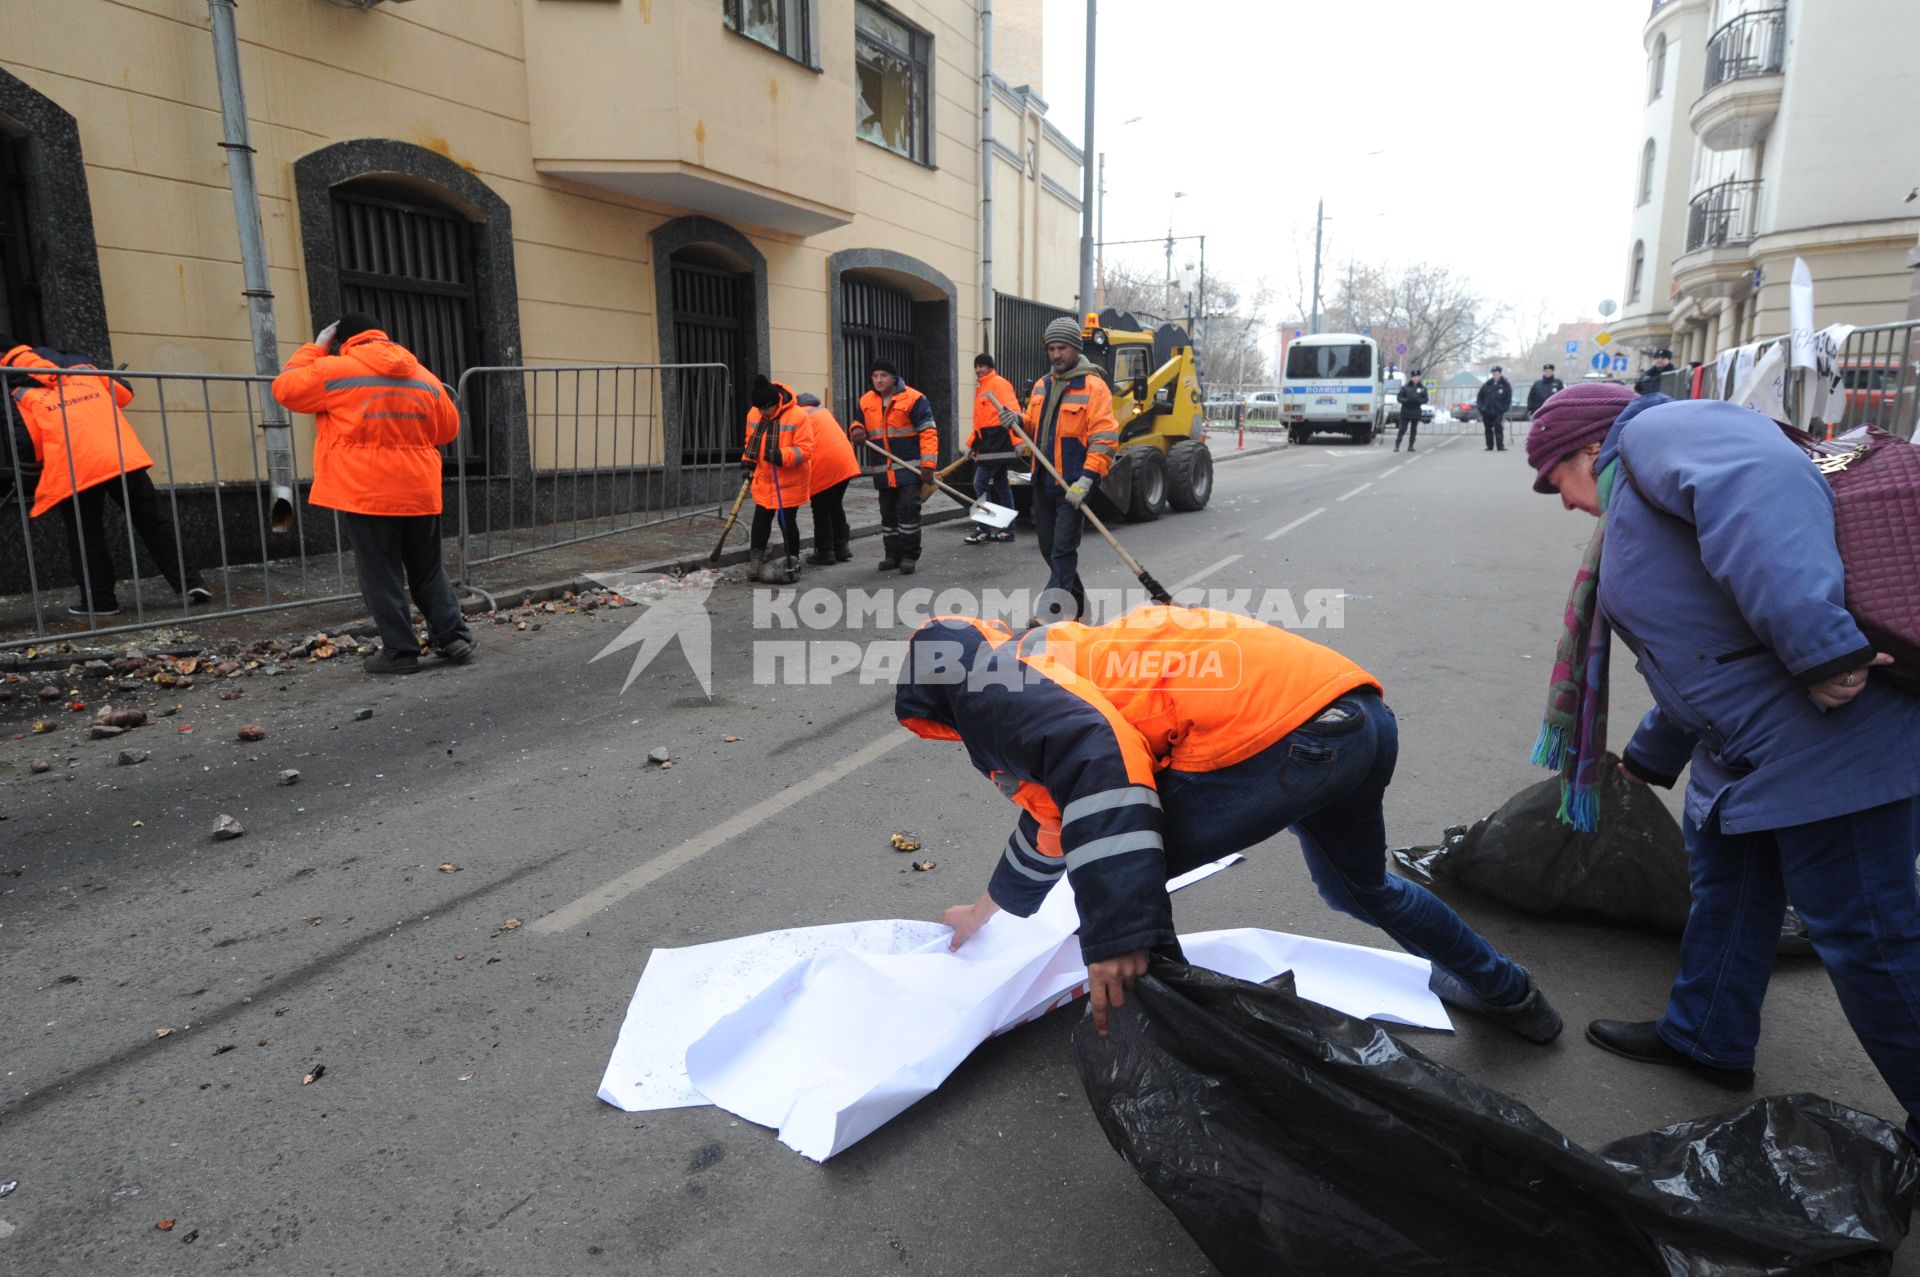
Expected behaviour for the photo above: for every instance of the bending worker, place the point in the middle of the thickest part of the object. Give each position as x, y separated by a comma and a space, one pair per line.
898, 418
834, 467
1145, 747
379, 420
1069, 418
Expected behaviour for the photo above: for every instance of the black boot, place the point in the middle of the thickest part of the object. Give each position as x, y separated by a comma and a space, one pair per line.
842, 552
1640, 1040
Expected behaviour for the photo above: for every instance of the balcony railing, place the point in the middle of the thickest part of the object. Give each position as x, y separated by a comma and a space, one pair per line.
1723, 215
1752, 44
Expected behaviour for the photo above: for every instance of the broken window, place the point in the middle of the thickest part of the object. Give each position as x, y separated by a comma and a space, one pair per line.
785, 26
890, 67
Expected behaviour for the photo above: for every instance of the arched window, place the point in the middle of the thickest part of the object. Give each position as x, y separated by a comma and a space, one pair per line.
1646, 173
1657, 68
1637, 275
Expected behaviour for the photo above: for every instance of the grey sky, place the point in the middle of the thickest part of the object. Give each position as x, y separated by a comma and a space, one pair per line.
1498, 137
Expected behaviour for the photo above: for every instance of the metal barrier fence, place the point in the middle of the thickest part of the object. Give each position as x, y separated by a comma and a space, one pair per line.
591, 451
1879, 372
613, 447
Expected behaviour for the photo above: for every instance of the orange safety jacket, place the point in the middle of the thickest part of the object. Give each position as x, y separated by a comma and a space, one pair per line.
80, 437
1082, 436
902, 424
781, 453
1073, 722
379, 418
833, 459
991, 393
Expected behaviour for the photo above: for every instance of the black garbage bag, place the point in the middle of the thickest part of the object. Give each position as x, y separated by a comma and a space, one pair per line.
1632, 871
1290, 1138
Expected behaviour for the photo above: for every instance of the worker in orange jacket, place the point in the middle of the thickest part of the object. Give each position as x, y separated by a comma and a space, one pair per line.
834, 467
899, 419
1146, 747
1070, 418
379, 420
74, 429
779, 458
990, 444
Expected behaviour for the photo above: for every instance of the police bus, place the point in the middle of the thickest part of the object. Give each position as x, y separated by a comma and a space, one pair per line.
1331, 384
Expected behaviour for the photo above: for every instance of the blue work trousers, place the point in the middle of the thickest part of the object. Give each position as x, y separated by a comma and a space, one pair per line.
1327, 781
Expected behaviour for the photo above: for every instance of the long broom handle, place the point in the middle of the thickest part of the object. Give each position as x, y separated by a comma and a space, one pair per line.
733, 516
935, 478
1156, 591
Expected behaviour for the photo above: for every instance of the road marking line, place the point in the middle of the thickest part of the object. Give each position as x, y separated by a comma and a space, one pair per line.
1203, 573
1280, 532
1356, 492
1332, 453
641, 875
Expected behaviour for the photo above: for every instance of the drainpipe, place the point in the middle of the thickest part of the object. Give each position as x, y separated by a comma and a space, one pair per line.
986, 175
253, 257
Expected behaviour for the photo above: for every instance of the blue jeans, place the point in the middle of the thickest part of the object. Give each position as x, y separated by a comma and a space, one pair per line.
1327, 780
1852, 879
1056, 526
990, 482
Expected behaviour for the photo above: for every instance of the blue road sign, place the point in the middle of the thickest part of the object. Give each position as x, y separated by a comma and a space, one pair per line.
1619, 363
1601, 362
1573, 348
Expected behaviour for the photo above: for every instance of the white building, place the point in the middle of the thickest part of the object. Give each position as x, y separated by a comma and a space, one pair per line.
1774, 129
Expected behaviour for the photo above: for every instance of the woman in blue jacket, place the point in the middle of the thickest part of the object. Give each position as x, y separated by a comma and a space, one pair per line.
1715, 562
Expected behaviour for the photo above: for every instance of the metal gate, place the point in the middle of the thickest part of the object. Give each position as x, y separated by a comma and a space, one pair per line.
876, 323
411, 267
1019, 330
19, 278
710, 327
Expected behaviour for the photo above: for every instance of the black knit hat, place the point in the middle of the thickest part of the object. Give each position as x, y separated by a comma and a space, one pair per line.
765, 395
882, 365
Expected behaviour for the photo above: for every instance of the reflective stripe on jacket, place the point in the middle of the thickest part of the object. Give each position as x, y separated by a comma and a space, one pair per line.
1072, 723
783, 486
379, 419
1082, 436
833, 459
992, 393
80, 436
902, 424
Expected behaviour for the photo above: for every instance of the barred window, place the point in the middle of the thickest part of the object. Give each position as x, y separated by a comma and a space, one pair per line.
890, 68
785, 26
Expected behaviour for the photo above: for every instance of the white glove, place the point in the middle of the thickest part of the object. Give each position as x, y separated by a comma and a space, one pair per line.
325, 335
1077, 493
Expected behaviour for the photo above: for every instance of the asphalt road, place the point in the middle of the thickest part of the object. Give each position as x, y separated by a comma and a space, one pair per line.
456, 1129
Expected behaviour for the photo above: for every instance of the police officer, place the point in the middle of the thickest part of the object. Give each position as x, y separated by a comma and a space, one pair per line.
1544, 389
1649, 381
379, 420
1412, 395
1495, 397
899, 419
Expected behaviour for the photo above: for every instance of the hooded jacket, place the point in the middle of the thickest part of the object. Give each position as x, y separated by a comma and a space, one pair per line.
833, 459
379, 420
78, 433
782, 453
1073, 722
1076, 429
1720, 571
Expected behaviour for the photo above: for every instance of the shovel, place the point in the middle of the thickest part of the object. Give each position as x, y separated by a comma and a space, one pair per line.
978, 508
1156, 591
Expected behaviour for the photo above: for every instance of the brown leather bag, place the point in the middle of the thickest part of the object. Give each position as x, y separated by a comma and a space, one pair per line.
1876, 518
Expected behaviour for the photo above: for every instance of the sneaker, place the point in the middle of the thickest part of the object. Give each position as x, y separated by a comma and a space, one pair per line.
83, 608
199, 594
1531, 1018
1005, 534
385, 662
456, 651
979, 536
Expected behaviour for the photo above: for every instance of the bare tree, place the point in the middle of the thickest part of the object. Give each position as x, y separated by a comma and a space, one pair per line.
1445, 322
1230, 337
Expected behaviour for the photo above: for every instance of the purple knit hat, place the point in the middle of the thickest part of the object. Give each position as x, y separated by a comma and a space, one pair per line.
1568, 422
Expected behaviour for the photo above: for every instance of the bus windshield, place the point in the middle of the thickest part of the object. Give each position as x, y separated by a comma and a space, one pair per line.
1305, 362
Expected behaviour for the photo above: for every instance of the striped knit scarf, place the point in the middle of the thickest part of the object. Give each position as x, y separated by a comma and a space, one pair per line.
1573, 735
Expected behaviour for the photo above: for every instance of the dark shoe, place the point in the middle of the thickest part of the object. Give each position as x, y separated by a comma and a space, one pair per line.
979, 536
385, 662
1531, 1018
843, 553
909, 566
889, 563
821, 558
199, 594
1005, 534
1640, 1040
456, 651
84, 608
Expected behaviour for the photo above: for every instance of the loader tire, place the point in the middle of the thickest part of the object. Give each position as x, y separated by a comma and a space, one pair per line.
1189, 475
1148, 495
